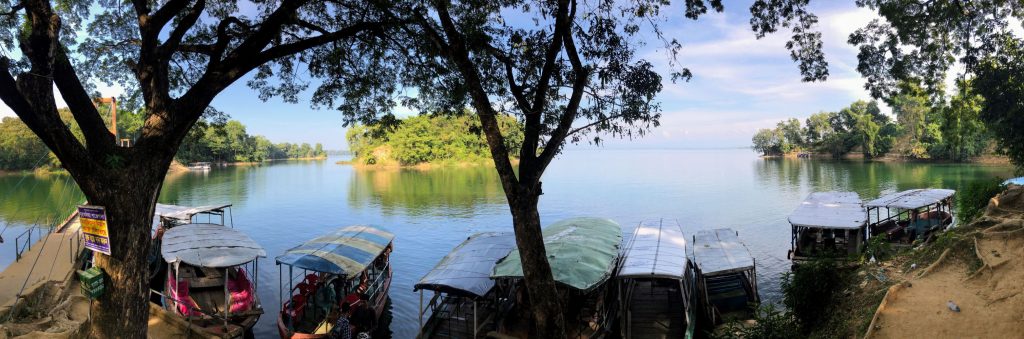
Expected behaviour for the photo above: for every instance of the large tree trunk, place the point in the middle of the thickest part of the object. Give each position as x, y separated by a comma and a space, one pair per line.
129, 196
548, 318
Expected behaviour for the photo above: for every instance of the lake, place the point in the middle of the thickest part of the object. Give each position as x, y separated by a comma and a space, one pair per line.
286, 203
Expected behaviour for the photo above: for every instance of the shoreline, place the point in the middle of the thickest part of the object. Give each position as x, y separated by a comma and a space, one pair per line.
990, 159
424, 165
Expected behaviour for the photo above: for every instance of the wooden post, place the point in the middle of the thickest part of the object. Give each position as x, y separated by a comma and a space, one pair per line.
420, 334
227, 301
474, 318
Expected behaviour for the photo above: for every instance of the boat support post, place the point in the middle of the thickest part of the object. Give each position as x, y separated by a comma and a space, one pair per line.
474, 318
227, 301
421, 315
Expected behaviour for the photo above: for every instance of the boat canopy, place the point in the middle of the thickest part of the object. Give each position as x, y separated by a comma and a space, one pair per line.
345, 252
720, 251
657, 250
837, 210
581, 251
1014, 181
183, 213
466, 270
912, 199
209, 245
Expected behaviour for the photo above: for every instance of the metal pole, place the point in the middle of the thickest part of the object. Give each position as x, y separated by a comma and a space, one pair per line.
421, 315
227, 301
474, 318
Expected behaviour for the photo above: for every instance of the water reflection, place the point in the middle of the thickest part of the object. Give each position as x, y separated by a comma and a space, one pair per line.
36, 198
454, 191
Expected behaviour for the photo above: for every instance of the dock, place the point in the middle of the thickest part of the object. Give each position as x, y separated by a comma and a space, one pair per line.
52, 258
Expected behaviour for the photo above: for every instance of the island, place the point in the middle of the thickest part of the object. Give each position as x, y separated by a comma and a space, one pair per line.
428, 140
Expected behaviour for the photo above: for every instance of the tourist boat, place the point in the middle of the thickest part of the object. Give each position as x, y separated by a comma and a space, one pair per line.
167, 216
911, 215
726, 276
199, 166
583, 253
828, 224
329, 270
464, 301
211, 280
656, 283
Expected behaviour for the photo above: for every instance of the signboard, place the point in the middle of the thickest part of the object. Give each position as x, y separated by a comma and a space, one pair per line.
94, 228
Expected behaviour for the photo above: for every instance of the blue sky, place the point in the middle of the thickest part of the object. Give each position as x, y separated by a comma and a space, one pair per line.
740, 84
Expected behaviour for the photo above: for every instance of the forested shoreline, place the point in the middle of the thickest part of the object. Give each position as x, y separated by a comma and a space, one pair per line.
426, 139
214, 139
922, 127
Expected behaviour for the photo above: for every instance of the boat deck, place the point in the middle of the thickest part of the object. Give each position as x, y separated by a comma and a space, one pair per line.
656, 312
454, 319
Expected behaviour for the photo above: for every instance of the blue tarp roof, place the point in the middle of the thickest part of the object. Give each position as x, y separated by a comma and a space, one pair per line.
345, 252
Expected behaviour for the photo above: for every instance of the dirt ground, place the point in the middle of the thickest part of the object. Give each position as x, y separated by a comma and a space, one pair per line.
990, 298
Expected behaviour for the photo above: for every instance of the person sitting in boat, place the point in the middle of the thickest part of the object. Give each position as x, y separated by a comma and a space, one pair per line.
363, 316
342, 329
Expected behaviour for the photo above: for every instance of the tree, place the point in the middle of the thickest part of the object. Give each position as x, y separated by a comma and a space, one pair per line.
567, 69
923, 41
867, 131
766, 143
177, 55
819, 126
792, 135
1001, 83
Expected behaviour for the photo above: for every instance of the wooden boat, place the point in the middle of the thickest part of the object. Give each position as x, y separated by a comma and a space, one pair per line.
330, 270
166, 217
911, 215
726, 276
211, 280
199, 166
583, 253
828, 224
464, 301
656, 284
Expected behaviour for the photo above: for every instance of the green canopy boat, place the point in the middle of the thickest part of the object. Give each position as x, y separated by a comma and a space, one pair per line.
583, 254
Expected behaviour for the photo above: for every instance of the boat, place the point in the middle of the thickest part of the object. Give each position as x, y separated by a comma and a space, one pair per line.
911, 215
656, 283
199, 166
329, 270
212, 278
167, 216
726, 276
828, 225
464, 301
583, 254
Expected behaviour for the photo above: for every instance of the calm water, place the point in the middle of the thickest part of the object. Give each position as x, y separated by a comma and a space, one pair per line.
284, 204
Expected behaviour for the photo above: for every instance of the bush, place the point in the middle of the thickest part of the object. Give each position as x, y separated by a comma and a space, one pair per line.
810, 291
975, 196
769, 323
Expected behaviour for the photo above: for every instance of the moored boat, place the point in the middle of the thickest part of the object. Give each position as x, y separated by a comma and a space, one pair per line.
726, 276
656, 283
583, 253
828, 225
350, 265
906, 216
464, 301
199, 166
211, 280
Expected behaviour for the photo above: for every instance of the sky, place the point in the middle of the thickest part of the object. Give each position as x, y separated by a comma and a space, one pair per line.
740, 84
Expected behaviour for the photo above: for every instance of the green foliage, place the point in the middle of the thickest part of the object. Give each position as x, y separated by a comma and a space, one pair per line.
229, 142
20, 149
810, 291
972, 199
879, 248
769, 323
423, 139
1000, 81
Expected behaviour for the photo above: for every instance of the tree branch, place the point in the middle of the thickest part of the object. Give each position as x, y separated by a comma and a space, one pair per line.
569, 115
97, 136
495, 140
187, 22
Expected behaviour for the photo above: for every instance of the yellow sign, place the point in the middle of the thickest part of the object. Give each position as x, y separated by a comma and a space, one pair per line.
94, 228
